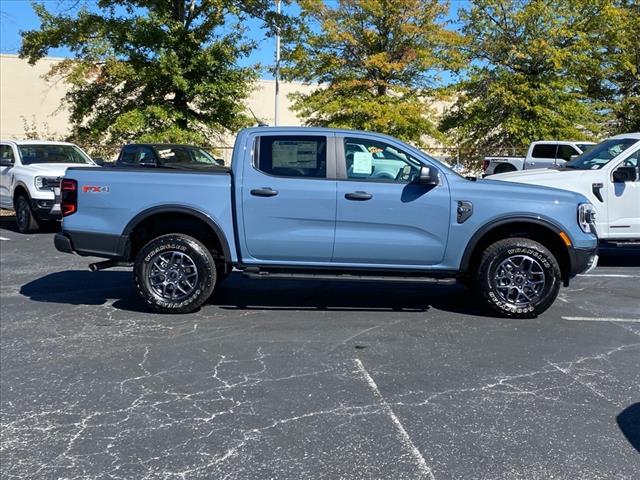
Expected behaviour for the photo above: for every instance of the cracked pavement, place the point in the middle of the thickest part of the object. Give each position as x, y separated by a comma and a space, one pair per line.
308, 379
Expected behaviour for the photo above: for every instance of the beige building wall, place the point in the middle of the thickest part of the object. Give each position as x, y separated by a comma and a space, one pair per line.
25, 96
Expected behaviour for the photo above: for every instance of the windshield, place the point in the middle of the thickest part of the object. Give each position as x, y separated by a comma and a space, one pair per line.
601, 154
185, 155
30, 154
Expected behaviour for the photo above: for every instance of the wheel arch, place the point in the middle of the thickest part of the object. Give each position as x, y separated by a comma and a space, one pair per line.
19, 189
159, 219
541, 229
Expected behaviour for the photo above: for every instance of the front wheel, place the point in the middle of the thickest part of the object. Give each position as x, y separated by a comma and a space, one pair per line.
174, 273
25, 219
518, 278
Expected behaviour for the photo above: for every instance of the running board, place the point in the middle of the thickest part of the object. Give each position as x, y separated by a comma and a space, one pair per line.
620, 243
261, 275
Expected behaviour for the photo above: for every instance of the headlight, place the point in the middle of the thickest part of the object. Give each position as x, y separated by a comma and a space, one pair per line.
587, 217
46, 183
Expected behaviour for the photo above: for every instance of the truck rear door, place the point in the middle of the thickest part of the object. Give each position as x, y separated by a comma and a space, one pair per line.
289, 198
541, 155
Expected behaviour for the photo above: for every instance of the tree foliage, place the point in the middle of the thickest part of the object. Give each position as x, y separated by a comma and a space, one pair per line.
376, 62
152, 70
613, 75
527, 77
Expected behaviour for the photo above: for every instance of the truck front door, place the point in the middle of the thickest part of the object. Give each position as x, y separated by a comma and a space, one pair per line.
384, 217
7, 161
623, 202
289, 199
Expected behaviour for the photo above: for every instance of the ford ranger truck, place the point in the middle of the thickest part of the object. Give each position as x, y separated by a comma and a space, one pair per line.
325, 203
609, 176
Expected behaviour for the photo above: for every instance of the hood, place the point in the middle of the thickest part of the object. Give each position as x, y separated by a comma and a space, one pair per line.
556, 178
533, 188
54, 169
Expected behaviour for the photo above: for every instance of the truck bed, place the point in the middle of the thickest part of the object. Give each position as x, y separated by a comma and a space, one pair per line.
110, 199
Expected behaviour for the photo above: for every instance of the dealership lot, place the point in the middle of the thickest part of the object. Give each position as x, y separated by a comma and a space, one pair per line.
280, 379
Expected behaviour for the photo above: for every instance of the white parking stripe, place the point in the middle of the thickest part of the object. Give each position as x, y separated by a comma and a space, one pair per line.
6, 239
612, 275
404, 436
601, 319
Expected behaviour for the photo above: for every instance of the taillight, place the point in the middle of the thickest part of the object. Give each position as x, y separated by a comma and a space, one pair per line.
68, 197
485, 165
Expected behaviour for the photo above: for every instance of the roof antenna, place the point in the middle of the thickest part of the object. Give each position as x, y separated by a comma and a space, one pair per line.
260, 123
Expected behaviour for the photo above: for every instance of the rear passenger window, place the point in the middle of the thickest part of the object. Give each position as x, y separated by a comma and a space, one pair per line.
128, 155
292, 156
544, 151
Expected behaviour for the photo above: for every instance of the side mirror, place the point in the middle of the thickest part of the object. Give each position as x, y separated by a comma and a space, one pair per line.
6, 162
98, 161
625, 174
428, 176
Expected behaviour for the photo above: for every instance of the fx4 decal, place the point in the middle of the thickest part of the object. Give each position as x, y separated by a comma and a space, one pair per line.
95, 189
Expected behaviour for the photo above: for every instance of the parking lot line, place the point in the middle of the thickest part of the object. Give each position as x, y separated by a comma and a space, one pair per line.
601, 319
611, 275
5, 239
404, 436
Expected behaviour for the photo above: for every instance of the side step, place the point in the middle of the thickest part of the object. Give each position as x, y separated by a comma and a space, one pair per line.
262, 275
620, 243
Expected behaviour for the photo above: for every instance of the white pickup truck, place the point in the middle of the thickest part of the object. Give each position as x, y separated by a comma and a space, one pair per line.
541, 154
30, 173
609, 176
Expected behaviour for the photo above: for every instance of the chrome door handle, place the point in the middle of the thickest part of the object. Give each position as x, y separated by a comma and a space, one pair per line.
264, 192
358, 196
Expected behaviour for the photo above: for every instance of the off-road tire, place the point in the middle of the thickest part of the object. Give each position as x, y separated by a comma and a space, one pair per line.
492, 292
193, 253
25, 219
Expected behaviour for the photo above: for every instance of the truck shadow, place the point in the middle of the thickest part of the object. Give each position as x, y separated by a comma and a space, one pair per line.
629, 423
619, 257
238, 293
9, 223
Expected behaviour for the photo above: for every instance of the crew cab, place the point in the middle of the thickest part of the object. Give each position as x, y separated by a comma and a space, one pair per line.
541, 154
30, 173
326, 203
157, 154
609, 176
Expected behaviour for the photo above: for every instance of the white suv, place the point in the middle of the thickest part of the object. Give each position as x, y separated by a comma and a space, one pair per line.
30, 173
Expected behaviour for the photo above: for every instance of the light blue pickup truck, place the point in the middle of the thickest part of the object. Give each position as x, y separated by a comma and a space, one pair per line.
326, 203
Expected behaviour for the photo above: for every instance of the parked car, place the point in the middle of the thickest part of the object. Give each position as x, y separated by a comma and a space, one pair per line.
327, 203
163, 154
542, 154
30, 173
609, 176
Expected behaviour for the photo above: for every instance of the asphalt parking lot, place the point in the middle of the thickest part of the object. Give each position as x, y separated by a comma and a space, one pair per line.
293, 380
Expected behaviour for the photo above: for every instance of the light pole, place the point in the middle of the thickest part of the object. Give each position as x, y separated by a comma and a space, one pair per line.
276, 117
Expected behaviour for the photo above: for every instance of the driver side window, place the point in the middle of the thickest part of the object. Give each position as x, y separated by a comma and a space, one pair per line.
374, 161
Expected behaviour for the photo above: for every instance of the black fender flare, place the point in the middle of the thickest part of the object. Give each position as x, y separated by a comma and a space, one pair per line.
482, 231
133, 223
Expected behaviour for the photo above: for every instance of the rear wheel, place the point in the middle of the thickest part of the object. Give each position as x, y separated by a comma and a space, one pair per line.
504, 168
174, 273
518, 278
25, 218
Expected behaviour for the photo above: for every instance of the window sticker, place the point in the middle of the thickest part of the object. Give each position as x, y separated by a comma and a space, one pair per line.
363, 163
287, 154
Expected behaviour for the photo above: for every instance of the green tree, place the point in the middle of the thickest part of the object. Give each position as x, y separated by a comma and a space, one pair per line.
375, 62
523, 81
151, 70
614, 72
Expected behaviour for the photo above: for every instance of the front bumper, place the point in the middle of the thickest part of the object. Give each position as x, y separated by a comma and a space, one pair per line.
583, 260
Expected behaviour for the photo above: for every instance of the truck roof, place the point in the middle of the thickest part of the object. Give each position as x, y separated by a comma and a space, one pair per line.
37, 142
